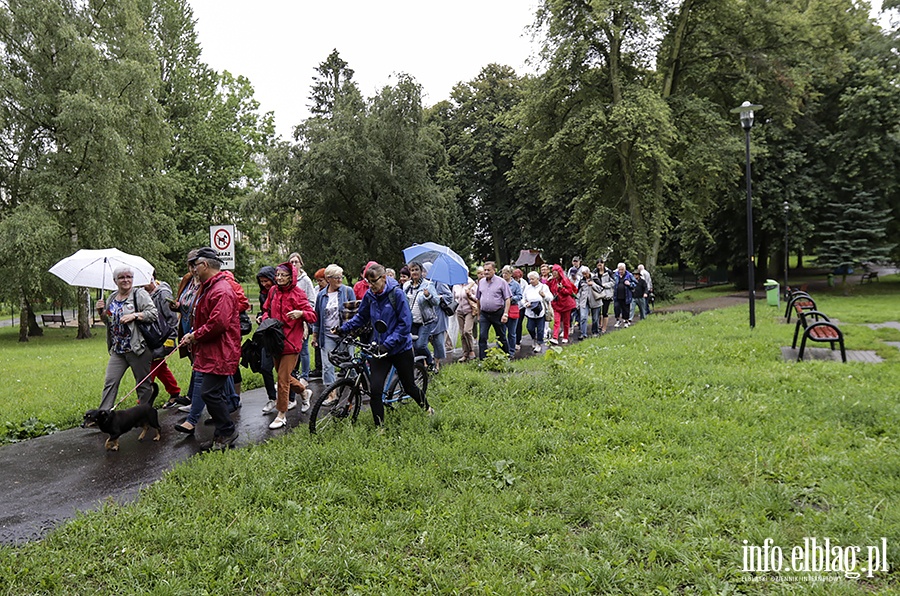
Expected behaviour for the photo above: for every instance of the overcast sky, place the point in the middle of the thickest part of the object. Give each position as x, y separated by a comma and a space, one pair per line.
277, 44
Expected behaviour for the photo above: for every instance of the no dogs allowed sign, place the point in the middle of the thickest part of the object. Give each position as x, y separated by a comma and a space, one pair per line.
221, 238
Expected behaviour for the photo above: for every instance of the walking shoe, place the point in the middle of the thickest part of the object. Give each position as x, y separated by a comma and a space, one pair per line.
278, 422
170, 404
565, 341
269, 407
627, 325
537, 348
184, 408
315, 374
292, 404
429, 411
331, 400
306, 397
223, 443
183, 428
554, 341
617, 325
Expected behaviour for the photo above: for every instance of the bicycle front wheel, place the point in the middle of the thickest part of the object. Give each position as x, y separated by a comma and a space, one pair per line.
339, 402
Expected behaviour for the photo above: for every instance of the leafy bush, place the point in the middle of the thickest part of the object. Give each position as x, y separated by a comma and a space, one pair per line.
28, 429
663, 287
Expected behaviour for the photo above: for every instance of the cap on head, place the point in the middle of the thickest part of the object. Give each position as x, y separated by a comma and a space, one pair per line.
207, 252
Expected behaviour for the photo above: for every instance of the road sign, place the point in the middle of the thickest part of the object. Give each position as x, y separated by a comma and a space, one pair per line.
221, 238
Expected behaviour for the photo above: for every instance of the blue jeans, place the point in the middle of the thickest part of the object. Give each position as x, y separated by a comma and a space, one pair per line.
486, 320
330, 342
422, 331
536, 329
594, 314
511, 325
437, 342
232, 400
304, 359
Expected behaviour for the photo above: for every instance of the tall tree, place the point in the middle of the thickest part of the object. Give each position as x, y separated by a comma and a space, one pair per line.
478, 135
82, 134
359, 182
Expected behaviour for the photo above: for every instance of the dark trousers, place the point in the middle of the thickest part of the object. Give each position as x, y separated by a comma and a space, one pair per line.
212, 391
379, 369
486, 320
265, 369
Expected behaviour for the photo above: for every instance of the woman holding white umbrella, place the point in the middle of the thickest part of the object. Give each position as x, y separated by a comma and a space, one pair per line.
127, 348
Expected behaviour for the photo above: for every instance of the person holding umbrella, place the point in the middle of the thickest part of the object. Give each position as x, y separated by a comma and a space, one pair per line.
127, 347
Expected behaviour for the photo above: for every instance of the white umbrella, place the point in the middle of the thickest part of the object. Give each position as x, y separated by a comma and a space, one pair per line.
93, 268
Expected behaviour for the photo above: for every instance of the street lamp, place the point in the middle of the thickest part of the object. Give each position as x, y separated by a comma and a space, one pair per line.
787, 210
746, 111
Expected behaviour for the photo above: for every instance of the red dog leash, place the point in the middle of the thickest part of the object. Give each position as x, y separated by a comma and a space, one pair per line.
161, 362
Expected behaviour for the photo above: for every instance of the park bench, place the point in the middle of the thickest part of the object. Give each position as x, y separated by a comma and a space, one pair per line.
817, 327
868, 277
799, 302
54, 319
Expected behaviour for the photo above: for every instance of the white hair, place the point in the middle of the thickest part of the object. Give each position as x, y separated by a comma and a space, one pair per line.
622, 265
533, 275
121, 269
334, 271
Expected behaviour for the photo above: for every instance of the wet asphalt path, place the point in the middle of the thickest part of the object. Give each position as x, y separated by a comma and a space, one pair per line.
47, 480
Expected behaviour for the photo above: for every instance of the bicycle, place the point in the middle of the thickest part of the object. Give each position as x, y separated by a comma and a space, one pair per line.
345, 395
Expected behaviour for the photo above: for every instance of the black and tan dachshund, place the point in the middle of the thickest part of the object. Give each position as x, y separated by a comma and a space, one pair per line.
116, 423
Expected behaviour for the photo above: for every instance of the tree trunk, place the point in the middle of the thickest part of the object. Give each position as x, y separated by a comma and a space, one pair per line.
23, 319
762, 264
84, 310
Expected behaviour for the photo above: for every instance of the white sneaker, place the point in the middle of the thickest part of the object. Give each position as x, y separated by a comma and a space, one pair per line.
627, 325
617, 325
537, 348
565, 341
278, 422
553, 341
184, 408
292, 404
306, 397
269, 407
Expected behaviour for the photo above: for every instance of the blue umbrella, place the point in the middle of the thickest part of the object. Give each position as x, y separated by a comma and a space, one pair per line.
446, 266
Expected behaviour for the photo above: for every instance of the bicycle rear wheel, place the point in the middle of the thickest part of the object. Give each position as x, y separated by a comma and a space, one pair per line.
344, 408
395, 391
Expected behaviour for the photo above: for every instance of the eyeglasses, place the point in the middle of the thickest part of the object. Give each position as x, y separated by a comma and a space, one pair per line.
372, 281
282, 274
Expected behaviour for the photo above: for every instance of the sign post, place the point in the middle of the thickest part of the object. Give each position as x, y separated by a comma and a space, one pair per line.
221, 238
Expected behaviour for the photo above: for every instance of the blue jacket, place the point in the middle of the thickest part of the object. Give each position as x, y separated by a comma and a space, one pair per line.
629, 289
394, 312
345, 295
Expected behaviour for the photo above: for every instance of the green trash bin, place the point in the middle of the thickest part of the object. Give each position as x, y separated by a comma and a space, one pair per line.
773, 296
831, 280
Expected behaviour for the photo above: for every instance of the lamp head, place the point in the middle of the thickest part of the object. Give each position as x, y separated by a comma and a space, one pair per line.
746, 110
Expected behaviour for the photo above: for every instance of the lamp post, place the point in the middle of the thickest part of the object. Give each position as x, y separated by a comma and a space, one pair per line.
787, 210
746, 110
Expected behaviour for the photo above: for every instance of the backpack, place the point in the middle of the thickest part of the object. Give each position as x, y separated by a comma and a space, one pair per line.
155, 333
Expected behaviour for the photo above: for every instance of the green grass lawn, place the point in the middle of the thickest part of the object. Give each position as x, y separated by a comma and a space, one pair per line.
637, 463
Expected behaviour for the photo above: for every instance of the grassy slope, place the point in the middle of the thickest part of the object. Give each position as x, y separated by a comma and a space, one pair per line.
636, 463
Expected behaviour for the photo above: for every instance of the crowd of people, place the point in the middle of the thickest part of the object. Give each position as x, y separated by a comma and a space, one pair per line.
208, 314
